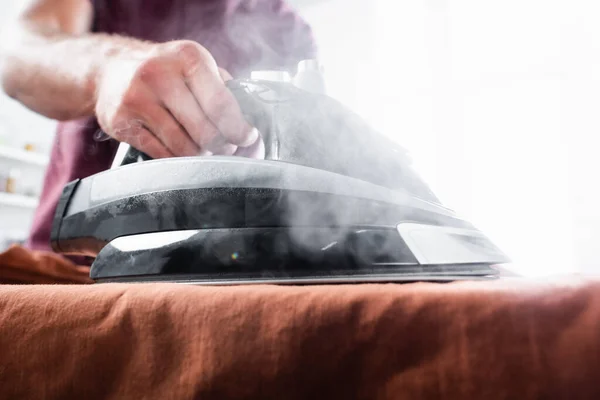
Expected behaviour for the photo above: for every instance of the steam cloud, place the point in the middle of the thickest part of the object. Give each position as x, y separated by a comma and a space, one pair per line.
314, 131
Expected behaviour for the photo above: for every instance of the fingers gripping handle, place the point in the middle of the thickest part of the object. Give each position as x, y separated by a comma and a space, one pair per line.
127, 155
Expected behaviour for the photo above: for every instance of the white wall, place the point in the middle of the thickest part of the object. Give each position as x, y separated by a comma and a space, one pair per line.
498, 102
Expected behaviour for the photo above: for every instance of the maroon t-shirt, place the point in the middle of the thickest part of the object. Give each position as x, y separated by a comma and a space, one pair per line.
242, 35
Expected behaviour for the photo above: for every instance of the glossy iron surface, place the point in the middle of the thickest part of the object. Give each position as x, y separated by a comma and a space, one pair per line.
283, 255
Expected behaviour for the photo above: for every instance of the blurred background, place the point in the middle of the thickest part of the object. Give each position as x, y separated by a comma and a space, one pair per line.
497, 101
25, 143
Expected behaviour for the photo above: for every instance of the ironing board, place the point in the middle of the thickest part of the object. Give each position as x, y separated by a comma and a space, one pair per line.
513, 338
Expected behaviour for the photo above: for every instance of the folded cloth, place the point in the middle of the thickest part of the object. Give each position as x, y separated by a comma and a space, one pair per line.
19, 265
506, 339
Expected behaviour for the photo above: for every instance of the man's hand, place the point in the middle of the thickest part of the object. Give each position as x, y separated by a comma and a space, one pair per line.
165, 99
170, 100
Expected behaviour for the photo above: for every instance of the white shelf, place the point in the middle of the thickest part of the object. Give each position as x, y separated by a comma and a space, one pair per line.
17, 200
28, 157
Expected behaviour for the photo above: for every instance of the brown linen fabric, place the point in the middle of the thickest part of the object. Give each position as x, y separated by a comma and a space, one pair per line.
19, 265
507, 339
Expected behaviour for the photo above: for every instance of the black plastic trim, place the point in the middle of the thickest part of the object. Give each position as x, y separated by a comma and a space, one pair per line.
61, 209
230, 208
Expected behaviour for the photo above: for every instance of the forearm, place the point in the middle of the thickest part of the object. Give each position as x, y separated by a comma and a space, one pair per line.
56, 74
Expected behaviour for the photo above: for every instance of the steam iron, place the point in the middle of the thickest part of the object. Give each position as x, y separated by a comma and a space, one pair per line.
333, 201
